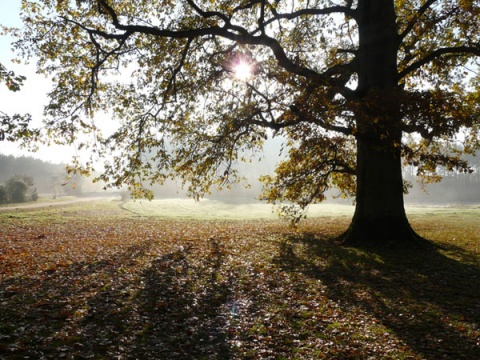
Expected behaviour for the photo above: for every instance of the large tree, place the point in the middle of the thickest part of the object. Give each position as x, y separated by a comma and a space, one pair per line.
353, 87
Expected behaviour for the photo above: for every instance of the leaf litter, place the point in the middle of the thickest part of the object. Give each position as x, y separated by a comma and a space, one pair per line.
77, 285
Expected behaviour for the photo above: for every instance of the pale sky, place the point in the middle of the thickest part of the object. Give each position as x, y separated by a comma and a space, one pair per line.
31, 98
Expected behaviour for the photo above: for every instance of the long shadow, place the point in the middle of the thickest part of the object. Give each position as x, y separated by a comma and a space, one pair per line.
428, 300
184, 307
176, 308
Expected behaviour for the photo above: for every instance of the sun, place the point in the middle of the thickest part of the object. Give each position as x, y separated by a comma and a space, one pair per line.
242, 70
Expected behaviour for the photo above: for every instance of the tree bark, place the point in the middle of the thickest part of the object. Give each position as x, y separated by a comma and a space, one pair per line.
379, 216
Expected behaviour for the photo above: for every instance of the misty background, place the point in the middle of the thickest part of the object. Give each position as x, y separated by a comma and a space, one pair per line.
50, 180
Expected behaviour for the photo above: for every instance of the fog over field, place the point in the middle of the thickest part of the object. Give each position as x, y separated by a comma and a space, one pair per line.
50, 181
234, 209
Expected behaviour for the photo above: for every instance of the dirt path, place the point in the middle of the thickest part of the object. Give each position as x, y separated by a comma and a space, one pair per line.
52, 203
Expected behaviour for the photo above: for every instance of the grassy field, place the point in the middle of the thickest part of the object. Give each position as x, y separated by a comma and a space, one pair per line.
183, 280
208, 209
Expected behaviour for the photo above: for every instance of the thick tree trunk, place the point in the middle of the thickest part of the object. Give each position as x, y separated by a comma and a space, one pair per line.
379, 217
380, 214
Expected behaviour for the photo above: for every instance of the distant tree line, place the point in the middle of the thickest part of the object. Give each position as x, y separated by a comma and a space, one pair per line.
453, 187
49, 178
39, 170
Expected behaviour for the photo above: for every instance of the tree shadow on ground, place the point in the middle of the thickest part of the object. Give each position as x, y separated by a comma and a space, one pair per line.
199, 298
54, 309
427, 300
184, 305
174, 309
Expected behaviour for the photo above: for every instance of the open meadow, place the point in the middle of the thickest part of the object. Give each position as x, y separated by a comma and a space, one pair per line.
174, 279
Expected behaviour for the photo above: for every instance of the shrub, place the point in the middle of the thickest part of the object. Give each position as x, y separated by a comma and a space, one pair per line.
16, 188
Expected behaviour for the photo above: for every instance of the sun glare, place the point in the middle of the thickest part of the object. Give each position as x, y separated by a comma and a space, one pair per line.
242, 71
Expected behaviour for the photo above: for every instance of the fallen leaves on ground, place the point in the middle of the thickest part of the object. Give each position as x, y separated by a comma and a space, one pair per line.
100, 283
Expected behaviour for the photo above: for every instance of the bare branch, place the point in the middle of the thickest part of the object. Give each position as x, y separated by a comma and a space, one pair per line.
414, 19
178, 68
459, 50
105, 6
208, 14
348, 11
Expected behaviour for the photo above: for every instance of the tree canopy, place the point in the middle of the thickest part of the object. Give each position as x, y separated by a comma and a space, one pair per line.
353, 87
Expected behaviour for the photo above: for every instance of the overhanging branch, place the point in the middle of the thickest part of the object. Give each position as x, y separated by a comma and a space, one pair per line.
228, 31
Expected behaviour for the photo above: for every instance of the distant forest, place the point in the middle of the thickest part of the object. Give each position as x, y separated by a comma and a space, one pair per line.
454, 188
48, 178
